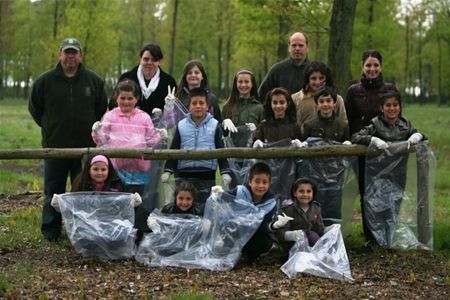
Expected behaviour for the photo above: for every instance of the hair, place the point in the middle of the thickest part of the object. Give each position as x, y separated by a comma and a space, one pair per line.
303, 180
234, 95
291, 111
84, 178
154, 50
389, 95
198, 92
372, 53
317, 66
183, 83
304, 34
185, 186
259, 168
127, 85
325, 91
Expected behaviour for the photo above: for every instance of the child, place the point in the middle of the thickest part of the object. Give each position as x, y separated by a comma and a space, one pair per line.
280, 119
257, 192
198, 131
98, 174
184, 203
317, 75
301, 217
194, 76
242, 108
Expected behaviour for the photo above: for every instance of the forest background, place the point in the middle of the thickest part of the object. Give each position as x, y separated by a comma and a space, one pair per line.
412, 35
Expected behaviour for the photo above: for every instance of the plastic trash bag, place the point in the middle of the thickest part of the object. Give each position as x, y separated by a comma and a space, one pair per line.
213, 242
398, 195
336, 183
327, 258
100, 224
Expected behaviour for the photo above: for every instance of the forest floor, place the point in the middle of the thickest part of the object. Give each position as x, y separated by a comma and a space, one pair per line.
56, 271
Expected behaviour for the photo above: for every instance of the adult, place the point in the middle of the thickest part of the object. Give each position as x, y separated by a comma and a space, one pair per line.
151, 80
289, 72
362, 104
65, 102
194, 76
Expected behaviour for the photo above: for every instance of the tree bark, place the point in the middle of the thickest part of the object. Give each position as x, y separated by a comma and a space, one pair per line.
173, 35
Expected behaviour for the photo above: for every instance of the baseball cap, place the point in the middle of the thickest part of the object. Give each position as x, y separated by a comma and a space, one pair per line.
70, 43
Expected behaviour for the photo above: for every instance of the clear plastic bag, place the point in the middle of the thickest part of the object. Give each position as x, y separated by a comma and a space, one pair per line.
327, 258
100, 224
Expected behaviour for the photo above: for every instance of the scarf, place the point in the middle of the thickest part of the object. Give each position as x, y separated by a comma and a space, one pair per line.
147, 90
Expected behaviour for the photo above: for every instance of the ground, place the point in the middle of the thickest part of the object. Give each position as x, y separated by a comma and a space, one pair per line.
57, 272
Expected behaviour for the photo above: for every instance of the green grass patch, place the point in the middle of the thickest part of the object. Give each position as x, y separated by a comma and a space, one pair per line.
21, 228
191, 295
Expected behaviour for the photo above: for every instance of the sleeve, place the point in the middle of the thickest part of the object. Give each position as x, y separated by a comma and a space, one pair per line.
101, 103
36, 102
218, 140
306, 131
214, 108
364, 136
171, 164
318, 226
340, 109
266, 85
259, 132
348, 105
267, 221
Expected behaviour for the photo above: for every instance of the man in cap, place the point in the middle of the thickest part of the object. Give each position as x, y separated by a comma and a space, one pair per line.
65, 102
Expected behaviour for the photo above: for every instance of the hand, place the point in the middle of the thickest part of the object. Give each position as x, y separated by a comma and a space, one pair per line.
281, 221
96, 126
162, 133
415, 138
228, 125
165, 177
379, 143
251, 126
226, 180
216, 192
293, 236
258, 144
152, 223
298, 144
170, 98
346, 143
156, 112
55, 202
136, 198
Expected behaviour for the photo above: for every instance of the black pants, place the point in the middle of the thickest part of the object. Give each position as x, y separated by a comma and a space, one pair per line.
259, 243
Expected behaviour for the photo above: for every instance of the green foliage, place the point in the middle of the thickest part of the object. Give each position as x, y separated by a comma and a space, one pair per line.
191, 295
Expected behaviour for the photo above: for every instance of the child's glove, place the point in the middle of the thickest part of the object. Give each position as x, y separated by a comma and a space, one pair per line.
346, 143
162, 133
96, 126
251, 126
293, 236
228, 125
165, 177
379, 143
281, 221
136, 198
152, 223
170, 98
415, 138
298, 144
216, 192
156, 112
55, 202
226, 180
258, 144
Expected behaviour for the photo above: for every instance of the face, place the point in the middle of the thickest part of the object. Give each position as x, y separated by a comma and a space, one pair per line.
194, 77
371, 67
126, 102
298, 48
279, 106
259, 185
184, 200
98, 172
316, 81
198, 107
304, 193
149, 65
70, 59
391, 109
326, 105
244, 84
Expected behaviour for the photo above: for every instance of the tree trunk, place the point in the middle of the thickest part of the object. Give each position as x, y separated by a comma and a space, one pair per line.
173, 36
283, 28
340, 42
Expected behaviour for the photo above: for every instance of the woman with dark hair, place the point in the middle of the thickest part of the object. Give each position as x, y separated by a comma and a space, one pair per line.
151, 80
317, 75
194, 76
362, 105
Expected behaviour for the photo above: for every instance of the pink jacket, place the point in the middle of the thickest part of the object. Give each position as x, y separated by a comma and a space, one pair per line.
121, 131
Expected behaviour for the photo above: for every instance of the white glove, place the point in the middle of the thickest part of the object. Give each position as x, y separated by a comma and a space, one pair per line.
415, 138
281, 221
165, 177
170, 98
162, 133
152, 223
346, 143
55, 202
258, 144
294, 235
379, 143
216, 192
96, 126
226, 180
156, 112
251, 126
136, 198
298, 144
229, 125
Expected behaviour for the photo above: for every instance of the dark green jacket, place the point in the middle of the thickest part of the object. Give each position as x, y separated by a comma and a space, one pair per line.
65, 108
